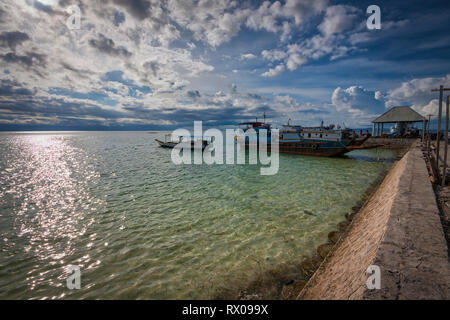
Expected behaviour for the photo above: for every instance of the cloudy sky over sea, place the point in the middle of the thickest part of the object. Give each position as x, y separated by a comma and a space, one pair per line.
150, 64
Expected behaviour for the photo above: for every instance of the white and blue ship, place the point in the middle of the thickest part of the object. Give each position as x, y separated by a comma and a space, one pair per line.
327, 141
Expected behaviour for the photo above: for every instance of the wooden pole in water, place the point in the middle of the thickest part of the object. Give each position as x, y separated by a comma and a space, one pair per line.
444, 170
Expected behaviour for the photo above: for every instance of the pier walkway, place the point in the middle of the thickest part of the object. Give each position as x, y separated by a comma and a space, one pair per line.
400, 231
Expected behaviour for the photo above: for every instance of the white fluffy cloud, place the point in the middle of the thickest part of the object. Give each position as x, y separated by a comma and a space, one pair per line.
417, 93
268, 15
217, 21
337, 19
294, 61
211, 21
274, 71
291, 58
248, 56
273, 55
147, 60
358, 100
336, 26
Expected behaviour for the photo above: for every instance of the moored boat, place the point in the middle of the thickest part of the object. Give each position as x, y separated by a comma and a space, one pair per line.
186, 141
325, 141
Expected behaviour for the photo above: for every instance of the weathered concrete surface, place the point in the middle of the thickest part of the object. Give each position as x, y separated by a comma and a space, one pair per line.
399, 230
413, 253
393, 141
343, 274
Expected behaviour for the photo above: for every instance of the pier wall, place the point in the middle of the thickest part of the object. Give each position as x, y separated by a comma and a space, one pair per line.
394, 142
399, 230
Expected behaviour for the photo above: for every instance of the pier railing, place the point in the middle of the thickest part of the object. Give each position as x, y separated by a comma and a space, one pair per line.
434, 150
438, 163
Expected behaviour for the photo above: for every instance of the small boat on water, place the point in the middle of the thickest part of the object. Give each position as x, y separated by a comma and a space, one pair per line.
325, 141
189, 141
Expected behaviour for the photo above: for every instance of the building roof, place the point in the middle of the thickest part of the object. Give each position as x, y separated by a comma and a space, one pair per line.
399, 114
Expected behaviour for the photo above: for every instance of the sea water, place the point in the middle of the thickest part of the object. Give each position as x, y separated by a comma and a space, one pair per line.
140, 227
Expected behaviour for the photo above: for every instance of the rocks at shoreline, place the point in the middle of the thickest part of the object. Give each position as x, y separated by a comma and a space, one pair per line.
349, 216
334, 236
324, 249
343, 225
309, 265
291, 291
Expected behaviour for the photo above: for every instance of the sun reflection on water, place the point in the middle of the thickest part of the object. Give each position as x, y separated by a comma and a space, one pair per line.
140, 227
48, 181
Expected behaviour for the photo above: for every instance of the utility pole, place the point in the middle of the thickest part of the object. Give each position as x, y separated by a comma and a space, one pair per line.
428, 134
444, 170
438, 138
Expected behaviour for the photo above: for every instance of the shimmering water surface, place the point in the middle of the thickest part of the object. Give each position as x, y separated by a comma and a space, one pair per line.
140, 227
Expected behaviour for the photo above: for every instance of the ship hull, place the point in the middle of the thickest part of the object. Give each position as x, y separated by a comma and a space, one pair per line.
311, 141
318, 148
310, 151
299, 149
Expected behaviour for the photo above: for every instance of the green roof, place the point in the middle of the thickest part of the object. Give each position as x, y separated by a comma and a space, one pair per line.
399, 114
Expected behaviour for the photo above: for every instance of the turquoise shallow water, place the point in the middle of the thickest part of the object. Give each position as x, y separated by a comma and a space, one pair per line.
140, 227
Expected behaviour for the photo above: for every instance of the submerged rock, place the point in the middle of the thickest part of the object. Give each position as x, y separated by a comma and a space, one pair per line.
289, 282
343, 225
309, 213
291, 291
349, 216
249, 296
334, 236
324, 249
309, 265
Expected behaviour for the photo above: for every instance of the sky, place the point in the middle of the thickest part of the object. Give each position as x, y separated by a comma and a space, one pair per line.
162, 64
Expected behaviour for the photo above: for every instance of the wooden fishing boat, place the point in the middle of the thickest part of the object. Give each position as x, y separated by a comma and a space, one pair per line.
186, 142
166, 144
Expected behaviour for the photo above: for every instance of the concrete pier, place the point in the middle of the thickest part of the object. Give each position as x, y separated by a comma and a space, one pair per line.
390, 142
400, 231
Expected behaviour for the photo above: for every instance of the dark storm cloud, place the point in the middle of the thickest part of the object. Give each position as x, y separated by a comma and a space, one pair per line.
73, 114
79, 72
180, 116
225, 115
50, 107
64, 3
42, 7
254, 96
152, 66
139, 9
13, 88
119, 17
106, 45
13, 39
193, 94
27, 60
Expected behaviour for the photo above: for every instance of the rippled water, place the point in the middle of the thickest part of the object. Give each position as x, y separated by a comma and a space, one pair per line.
140, 227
